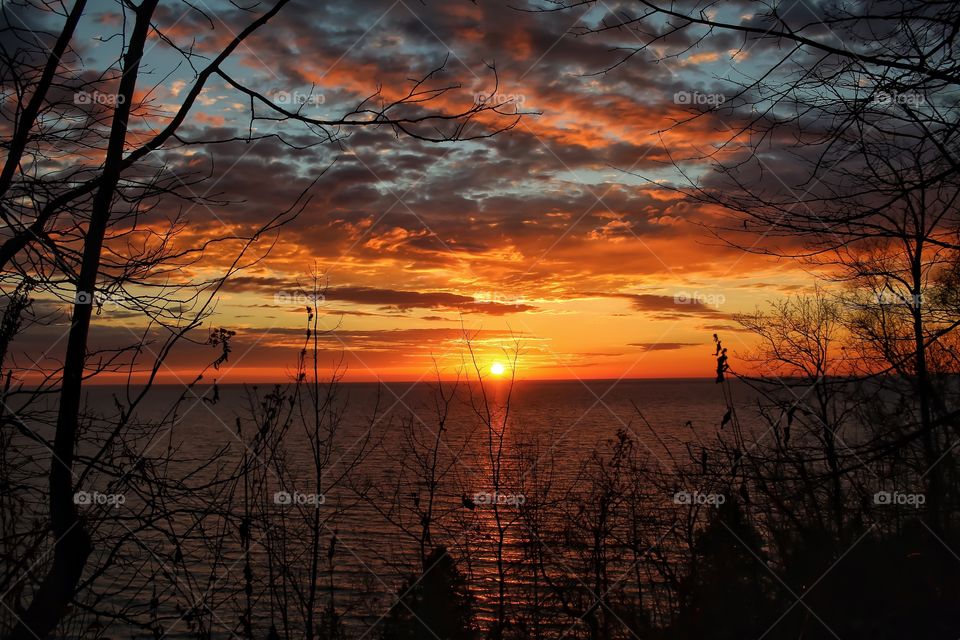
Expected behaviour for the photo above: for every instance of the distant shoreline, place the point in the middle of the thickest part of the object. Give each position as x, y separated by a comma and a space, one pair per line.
425, 380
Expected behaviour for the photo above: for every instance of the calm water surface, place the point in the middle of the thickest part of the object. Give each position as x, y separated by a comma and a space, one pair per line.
554, 425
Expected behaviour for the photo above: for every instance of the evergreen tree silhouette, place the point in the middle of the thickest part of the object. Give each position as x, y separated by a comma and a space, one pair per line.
436, 604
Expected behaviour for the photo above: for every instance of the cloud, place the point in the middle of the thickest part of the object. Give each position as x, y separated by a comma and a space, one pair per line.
674, 307
406, 300
385, 299
675, 304
664, 346
574, 199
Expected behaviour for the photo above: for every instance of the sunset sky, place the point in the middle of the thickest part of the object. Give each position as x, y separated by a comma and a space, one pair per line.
561, 233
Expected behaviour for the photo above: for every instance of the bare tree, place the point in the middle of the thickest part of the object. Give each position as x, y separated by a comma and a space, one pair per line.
79, 230
859, 101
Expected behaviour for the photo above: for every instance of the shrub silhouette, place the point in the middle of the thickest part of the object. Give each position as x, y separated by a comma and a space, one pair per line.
882, 587
728, 589
435, 604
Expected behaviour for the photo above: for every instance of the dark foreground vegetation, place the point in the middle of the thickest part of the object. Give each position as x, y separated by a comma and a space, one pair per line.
837, 518
822, 519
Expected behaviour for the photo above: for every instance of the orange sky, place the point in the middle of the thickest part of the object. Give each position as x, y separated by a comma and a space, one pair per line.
545, 236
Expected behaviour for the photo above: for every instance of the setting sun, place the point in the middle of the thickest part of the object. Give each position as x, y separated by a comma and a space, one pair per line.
497, 369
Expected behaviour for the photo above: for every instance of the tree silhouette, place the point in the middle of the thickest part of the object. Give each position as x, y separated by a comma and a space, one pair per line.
435, 604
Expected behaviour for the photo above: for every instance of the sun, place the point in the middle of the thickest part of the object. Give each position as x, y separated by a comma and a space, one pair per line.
497, 369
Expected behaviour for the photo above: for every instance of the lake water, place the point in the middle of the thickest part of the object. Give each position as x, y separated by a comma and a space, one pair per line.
370, 499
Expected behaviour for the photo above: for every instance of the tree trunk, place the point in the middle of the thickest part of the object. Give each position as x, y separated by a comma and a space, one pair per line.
72, 544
